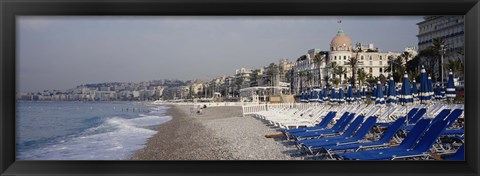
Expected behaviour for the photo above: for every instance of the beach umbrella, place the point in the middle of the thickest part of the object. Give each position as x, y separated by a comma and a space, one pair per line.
442, 92
414, 90
318, 93
358, 97
406, 97
350, 97
430, 87
333, 98
398, 89
304, 97
320, 96
405, 92
364, 93
379, 94
385, 91
313, 96
341, 96
301, 96
373, 95
424, 93
450, 93
325, 94
392, 93
310, 96
438, 94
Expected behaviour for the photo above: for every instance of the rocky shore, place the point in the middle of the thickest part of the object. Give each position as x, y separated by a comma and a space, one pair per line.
217, 133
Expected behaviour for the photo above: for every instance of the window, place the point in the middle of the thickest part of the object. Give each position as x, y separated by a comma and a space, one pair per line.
370, 70
380, 57
370, 57
344, 57
380, 62
371, 63
381, 70
335, 58
361, 57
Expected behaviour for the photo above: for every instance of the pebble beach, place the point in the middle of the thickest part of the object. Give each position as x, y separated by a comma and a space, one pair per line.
217, 133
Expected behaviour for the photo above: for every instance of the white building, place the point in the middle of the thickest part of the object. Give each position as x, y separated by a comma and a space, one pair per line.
341, 51
449, 28
244, 75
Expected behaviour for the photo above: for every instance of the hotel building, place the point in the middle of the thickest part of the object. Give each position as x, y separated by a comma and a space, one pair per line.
449, 28
341, 50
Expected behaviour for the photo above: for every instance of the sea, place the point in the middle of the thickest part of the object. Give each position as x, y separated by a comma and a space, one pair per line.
65, 130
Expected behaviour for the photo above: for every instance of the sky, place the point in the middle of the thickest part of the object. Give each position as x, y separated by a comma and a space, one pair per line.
61, 52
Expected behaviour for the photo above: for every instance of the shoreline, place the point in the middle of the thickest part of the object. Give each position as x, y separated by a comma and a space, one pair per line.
181, 138
218, 133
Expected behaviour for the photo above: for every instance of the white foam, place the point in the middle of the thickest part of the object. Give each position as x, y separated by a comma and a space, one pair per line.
115, 139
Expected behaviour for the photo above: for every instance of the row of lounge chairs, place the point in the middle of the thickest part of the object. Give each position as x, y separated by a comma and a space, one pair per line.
361, 132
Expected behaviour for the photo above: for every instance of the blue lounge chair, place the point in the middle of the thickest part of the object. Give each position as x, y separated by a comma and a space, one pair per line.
440, 116
356, 138
459, 155
382, 142
337, 124
452, 117
419, 150
348, 132
407, 143
414, 119
454, 132
323, 124
318, 133
410, 114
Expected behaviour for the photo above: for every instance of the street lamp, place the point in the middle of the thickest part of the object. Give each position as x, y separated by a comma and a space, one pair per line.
442, 52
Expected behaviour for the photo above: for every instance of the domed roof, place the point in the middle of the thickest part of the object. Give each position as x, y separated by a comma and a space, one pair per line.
341, 42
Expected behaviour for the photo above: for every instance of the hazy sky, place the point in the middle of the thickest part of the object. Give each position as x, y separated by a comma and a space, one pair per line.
58, 52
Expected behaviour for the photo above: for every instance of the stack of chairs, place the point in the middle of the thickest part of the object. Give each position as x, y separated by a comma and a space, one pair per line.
360, 131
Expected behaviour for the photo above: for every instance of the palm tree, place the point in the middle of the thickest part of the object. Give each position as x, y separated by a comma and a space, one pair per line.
382, 78
372, 80
272, 73
303, 57
462, 64
288, 77
352, 62
238, 83
396, 67
330, 66
335, 81
456, 65
362, 76
255, 76
406, 55
300, 75
437, 46
427, 56
412, 67
309, 78
318, 61
340, 70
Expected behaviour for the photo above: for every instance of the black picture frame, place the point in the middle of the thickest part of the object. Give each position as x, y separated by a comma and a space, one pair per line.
11, 8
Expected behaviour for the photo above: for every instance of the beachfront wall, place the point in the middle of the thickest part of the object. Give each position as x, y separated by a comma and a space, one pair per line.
252, 109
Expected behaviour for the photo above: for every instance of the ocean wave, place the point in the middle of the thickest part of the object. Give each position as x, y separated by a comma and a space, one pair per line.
115, 138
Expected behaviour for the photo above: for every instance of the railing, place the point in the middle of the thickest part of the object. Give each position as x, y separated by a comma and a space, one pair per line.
252, 109
208, 104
